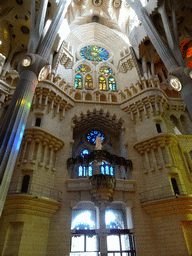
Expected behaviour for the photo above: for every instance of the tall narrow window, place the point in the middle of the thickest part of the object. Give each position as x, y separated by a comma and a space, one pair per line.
88, 82
158, 127
112, 84
78, 81
102, 83
38, 122
119, 240
84, 171
25, 184
84, 239
175, 186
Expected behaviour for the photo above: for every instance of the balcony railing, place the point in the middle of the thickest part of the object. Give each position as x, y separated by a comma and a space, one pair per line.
161, 193
36, 190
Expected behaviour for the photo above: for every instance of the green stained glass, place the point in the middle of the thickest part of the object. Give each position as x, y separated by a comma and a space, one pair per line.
102, 83
88, 82
84, 68
112, 84
106, 71
78, 81
94, 53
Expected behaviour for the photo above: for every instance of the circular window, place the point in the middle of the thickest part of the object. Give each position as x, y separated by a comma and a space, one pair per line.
91, 136
94, 53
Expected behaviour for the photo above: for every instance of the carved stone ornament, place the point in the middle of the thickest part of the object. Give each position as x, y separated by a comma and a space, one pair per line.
77, 1
97, 2
116, 3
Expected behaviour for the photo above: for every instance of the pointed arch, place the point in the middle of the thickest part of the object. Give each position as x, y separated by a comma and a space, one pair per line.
112, 83
78, 81
88, 82
102, 83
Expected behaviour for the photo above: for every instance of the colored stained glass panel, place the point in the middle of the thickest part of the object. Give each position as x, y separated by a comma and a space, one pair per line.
78, 81
106, 71
91, 136
94, 53
112, 84
102, 83
88, 82
84, 68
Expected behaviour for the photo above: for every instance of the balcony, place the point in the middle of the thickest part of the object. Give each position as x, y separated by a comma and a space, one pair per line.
37, 191
161, 193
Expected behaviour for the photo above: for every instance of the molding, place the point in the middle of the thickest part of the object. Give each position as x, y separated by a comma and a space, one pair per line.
180, 205
30, 205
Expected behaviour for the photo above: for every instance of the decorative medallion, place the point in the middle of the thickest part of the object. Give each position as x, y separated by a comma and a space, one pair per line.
97, 2
94, 53
77, 1
116, 3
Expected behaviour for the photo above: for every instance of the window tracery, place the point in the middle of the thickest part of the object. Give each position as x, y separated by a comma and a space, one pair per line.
83, 78
84, 171
106, 79
78, 81
94, 53
92, 135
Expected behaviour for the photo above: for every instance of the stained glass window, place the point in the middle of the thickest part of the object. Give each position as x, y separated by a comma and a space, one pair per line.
112, 84
78, 81
91, 136
106, 169
94, 53
84, 68
106, 71
88, 82
84, 171
102, 83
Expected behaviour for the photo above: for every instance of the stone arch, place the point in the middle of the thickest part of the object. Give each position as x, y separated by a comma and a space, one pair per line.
102, 97
88, 96
77, 96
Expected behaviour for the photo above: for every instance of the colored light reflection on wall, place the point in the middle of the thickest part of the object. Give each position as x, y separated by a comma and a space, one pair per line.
20, 137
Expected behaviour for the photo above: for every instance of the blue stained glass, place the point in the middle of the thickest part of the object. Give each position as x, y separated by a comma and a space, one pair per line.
111, 170
112, 84
90, 170
80, 171
84, 152
107, 169
102, 170
91, 136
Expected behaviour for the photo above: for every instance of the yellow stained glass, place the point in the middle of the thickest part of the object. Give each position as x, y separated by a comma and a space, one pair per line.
88, 82
102, 83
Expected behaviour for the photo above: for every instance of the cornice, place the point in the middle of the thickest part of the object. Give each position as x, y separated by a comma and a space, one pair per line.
30, 205
154, 142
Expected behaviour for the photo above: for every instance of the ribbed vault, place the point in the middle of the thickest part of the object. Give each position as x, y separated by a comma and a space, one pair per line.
97, 119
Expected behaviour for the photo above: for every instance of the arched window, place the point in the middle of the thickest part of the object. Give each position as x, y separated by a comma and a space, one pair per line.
119, 240
112, 84
102, 83
106, 81
106, 168
78, 81
88, 82
84, 171
25, 184
84, 238
83, 78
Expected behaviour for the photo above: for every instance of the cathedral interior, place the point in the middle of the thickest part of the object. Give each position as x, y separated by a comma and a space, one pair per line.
103, 166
